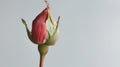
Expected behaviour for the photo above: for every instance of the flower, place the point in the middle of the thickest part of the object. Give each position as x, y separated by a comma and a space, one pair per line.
44, 31
44, 28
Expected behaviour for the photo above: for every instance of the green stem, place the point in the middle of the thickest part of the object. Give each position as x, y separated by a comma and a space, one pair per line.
43, 49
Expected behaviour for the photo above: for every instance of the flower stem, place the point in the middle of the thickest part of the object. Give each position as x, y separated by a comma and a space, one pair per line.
43, 49
41, 61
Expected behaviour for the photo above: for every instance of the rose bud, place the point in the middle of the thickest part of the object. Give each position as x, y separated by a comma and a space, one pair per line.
44, 28
44, 31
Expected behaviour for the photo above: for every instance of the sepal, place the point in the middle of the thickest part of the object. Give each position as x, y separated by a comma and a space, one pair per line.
28, 32
52, 39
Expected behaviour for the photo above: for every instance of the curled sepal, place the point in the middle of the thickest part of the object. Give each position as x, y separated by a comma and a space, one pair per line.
28, 32
53, 38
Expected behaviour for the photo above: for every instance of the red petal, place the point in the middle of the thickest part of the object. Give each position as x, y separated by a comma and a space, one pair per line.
39, 29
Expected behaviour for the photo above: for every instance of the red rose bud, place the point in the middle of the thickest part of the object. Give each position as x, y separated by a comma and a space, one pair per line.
44, 28
44, 31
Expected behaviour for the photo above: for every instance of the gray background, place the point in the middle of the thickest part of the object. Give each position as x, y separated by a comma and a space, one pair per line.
89, 33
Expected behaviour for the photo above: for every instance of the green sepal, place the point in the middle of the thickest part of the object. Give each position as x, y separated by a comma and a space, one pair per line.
52, 39
28, 32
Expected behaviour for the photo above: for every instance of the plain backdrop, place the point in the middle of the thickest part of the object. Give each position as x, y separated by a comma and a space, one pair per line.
89, 33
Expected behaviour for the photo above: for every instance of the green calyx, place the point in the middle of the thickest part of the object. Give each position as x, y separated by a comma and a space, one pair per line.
43, 49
